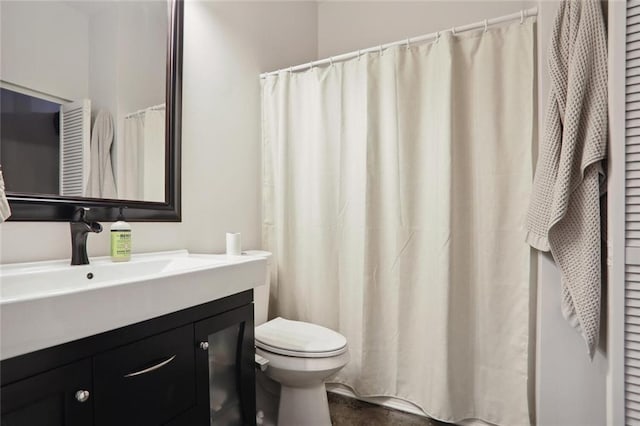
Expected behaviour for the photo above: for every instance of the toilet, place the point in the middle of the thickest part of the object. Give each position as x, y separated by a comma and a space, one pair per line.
300, 357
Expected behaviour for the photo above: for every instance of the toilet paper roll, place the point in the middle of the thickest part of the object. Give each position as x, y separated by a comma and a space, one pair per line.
234, 244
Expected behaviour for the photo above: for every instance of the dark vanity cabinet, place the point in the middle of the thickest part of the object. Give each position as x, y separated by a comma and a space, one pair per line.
189, 368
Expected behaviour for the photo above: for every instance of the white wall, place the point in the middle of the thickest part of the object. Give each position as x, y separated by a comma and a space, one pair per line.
346, 26
226, 47
39, 36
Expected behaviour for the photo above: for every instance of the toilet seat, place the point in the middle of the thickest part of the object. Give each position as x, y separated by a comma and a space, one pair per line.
299, 339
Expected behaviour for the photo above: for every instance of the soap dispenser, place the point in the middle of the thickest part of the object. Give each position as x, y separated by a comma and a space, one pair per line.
120, 240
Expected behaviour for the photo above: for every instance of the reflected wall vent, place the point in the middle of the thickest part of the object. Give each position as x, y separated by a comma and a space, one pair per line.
75, 138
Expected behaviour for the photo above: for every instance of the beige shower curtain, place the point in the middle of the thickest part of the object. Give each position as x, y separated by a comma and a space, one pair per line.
395, 188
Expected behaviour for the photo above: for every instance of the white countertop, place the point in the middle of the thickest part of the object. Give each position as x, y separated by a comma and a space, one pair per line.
44, 304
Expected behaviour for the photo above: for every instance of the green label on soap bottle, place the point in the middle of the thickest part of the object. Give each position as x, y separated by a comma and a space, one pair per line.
120, 244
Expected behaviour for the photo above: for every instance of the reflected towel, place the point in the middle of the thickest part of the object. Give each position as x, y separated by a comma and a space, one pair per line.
5, 211
101, 181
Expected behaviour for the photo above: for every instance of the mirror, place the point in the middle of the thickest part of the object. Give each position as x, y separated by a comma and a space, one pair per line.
90, 107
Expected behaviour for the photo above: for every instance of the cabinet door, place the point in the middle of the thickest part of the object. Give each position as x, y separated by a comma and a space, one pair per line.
225, 375
145, 383
60, 397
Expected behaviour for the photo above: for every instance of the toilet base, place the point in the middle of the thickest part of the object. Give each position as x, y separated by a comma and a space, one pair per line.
304, 406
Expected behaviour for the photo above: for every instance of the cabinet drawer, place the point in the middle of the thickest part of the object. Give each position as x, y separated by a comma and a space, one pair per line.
147, 382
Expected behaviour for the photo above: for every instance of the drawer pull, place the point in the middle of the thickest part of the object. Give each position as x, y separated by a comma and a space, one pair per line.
82, 395
152, 368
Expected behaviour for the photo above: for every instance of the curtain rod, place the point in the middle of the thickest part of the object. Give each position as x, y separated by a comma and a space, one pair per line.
522, 15
142, 111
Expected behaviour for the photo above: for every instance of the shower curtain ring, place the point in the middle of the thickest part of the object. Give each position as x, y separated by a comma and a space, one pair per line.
380, 50
522, 16
331, 60
453, 30
359, 53
290, 70
408, 42
486, 25
437, 36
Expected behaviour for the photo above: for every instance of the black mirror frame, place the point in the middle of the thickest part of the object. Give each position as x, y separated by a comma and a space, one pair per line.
29, 207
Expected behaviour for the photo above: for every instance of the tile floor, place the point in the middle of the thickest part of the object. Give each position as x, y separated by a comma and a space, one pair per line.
351, 412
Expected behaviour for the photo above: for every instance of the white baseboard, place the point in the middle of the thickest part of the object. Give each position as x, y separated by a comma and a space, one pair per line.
393, 403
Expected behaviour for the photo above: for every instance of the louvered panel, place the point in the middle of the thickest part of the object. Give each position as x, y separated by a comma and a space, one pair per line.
633, 88
633, 312
632, 217
631, 348
632, 418
634, 28
632, 405
632, 422
630, 72
630, 387
633, 362
633, 380
633, 371
75, 126
632, 397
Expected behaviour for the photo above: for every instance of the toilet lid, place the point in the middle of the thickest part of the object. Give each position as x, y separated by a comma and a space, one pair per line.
299, 339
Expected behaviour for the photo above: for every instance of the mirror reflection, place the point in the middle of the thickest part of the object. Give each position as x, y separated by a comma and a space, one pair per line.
82, 98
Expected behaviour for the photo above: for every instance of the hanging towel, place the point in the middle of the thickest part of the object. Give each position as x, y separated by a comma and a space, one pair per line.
101, 182
5, 211
564, 212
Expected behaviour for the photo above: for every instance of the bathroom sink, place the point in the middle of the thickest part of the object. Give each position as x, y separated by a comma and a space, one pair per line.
42, 279
47, 303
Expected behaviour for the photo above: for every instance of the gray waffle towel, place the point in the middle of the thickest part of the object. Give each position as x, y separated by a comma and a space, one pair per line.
564, 212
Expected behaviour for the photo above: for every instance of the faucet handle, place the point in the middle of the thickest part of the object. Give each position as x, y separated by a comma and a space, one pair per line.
79, 214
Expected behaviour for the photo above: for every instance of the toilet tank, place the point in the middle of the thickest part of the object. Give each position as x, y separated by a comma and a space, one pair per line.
261, 293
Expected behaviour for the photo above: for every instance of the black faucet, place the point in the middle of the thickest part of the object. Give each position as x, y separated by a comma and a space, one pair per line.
79, 230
